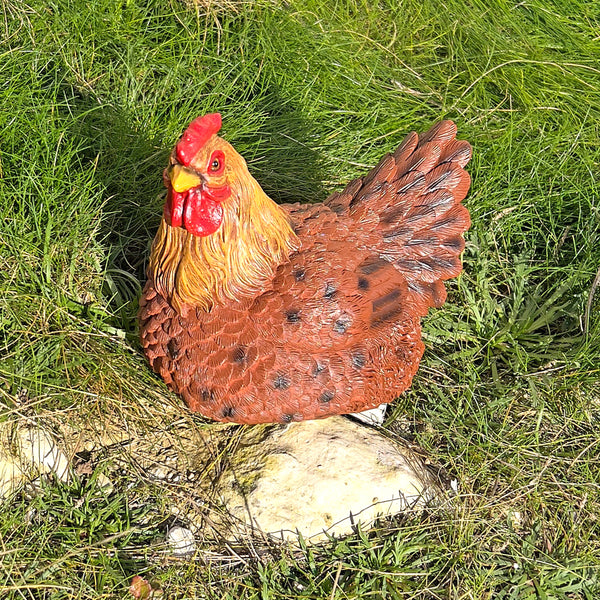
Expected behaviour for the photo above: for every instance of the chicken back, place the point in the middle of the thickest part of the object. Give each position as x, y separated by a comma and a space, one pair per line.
332, 324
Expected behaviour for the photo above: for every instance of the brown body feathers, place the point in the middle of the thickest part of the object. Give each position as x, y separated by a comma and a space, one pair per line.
330, 323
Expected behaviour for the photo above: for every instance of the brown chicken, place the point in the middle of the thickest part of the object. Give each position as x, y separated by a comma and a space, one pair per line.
256, 312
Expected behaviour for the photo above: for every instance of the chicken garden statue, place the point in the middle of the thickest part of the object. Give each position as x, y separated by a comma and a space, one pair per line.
256, 312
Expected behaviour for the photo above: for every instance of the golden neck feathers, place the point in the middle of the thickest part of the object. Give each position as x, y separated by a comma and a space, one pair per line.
235, 261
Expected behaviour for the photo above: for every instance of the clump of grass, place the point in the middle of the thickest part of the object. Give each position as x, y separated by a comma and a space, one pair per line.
312, 93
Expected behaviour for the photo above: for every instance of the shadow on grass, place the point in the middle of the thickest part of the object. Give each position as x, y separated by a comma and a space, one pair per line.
129, 163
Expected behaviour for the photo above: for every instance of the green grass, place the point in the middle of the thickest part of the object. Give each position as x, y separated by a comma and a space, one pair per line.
507, 401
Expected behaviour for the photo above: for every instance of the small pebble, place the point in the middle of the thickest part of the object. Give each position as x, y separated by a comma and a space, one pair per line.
181, 541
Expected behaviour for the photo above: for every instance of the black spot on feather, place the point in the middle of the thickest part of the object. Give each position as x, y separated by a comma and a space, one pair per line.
423, 240
227, 412
397, 232
326, 396
439, 263
358, 359
287, 418
449, 263
386, 307
292, 316
342, 324
417, 182
339, 326
330, 291
207, 395
239, 355
414, 265
443, 222
363, 283
281, 382
418, 212
299, 274
391, 215
367, 195
439, 182
173, 349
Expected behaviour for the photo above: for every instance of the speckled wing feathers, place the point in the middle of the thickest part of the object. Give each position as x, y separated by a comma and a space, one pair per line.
412, 197
337, 330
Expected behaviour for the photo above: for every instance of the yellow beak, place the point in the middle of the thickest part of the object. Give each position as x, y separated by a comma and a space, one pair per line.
183, 179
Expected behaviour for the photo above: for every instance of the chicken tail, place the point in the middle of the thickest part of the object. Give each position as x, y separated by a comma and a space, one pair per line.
412, 198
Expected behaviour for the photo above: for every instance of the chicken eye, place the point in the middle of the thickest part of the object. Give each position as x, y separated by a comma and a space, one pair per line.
216, 165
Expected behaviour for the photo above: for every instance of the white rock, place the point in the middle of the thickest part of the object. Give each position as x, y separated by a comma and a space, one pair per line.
39, 449
11, 475
373, 416
181, 541
312, 477
105, 484
25, 454
323, 476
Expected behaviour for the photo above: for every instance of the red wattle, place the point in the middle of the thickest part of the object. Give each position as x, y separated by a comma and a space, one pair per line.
202, 213
174, 207
198, 209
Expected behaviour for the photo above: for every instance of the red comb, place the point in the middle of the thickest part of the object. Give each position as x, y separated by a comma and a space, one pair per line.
196, 135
